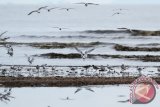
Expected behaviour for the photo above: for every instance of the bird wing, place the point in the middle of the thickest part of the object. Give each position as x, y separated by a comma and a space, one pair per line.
32, 59
53, 8
70, 8
65, 8
92, 4
3, 33
80, 3
79, 89
42, 7
79, 50
89, 51
55, 27
89, 89
64, 28
62, 8
26, 55
114, 14
31, 12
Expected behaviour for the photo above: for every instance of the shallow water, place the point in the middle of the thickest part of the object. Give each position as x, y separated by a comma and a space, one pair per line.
37, 28
55, 97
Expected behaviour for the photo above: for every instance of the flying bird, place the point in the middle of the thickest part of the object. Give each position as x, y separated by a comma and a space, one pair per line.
38, 10
86, 88
87, 4
67, 9
59, 28
84, 55
30, 59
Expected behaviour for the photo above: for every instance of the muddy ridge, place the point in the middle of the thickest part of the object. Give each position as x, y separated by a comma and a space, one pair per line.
144, 33
145, 58
50, 45
65, 82
128, 48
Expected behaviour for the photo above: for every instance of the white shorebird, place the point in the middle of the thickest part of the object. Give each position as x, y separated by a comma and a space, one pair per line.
123, 68
67, 9
30, 59
3, 39
84, 55
59, 28
139, 69
87, 4
86, 88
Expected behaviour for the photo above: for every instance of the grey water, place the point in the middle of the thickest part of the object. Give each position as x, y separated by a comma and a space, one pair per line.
38, 28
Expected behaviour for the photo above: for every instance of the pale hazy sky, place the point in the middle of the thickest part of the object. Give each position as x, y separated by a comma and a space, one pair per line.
74, 1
